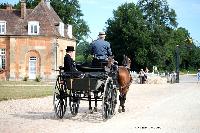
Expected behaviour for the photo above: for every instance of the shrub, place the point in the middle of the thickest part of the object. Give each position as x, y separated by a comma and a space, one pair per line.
38, 78
25, 78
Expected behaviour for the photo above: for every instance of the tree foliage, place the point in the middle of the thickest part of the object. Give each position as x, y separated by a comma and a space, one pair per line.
83, 52
157, 13
128, 34
160, 21
148, 33
3, 5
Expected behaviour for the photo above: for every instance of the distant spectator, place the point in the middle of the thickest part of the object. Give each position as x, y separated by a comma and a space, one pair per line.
173, 77
142, 76
146, 70
198, 76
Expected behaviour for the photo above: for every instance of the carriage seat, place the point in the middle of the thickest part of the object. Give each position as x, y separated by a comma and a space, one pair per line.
86, 72
89, 68
70, 74
75, 74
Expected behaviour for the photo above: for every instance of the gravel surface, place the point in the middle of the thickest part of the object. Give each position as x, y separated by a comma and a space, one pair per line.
166, 108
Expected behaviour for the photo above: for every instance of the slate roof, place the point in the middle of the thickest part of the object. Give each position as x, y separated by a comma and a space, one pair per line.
48, 19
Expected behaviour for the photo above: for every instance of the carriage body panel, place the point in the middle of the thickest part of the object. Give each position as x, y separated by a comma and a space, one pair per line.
90, 84
82, 84
87, 82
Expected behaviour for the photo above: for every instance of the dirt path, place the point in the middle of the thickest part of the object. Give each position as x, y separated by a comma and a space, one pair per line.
150, 108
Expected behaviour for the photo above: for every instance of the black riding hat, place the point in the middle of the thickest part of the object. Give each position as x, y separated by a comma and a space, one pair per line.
69, 48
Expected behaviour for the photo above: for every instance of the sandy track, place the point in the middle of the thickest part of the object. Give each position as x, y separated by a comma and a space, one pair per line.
149, 108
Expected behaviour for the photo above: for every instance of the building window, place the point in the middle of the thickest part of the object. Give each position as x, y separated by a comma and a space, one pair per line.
33, 28
2, 27
2, 58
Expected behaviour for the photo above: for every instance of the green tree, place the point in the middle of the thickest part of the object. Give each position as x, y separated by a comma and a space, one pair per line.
128, 35
3, 5
83, 52
188, 51
160, 21
157, 13
177, 37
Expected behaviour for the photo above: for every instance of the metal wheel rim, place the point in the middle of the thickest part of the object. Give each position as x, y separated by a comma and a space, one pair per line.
106, 107
59, 106
59, 102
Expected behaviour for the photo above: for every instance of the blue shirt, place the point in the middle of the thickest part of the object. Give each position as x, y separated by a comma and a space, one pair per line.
101, 49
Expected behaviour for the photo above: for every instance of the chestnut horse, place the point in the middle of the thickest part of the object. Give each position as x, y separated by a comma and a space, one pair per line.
124, 81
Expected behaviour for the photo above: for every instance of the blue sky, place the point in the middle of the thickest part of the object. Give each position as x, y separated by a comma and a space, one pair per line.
97, 12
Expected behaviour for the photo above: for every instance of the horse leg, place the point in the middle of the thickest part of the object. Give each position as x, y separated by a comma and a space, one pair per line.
90, 105
95, 97
122, 98
140, 79
123, 102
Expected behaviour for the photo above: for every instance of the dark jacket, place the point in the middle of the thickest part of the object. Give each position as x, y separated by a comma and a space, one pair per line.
68, 63
101, 49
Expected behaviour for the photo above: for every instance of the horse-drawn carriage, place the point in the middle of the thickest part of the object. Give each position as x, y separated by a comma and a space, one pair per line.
92, 84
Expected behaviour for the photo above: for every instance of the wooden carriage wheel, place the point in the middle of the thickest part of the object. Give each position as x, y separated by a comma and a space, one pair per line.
59, 100
74, 103
109, 100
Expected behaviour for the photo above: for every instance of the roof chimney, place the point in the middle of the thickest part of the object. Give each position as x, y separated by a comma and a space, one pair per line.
23, 8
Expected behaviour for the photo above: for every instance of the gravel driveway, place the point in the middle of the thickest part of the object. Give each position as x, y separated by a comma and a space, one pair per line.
166, 108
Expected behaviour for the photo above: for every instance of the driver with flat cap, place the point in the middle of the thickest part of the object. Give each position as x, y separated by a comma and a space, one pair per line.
100, 50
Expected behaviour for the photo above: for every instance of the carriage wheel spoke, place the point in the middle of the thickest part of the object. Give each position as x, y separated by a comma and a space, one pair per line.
59, 101
108, 99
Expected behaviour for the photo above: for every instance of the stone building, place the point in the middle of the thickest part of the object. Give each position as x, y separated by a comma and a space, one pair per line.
32, 42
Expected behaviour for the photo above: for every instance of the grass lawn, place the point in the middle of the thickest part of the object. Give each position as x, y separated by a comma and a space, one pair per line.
23, 92
23, 83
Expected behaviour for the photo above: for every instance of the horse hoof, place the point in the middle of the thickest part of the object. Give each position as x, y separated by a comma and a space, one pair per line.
95, 109
119, 110
91, 111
